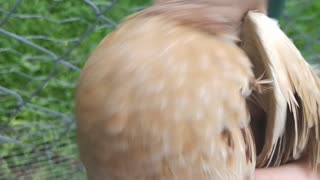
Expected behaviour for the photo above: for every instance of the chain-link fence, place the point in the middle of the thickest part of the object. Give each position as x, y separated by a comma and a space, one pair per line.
43, 45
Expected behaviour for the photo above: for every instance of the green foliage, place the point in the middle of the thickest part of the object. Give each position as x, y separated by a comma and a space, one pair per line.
42, 143
301, 24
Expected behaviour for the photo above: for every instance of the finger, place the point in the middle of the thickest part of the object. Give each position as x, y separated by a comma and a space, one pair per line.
293, 171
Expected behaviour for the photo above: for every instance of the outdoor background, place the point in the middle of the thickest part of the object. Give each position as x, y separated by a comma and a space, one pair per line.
43, 46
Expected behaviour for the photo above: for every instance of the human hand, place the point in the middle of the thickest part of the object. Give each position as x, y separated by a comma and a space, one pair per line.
293, 171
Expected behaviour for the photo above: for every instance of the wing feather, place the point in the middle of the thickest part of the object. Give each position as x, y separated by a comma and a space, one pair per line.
295, 96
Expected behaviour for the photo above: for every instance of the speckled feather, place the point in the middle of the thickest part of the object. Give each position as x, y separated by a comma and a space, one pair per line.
159, 107
170, 95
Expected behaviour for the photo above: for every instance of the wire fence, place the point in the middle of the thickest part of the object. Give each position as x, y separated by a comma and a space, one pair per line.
43, 45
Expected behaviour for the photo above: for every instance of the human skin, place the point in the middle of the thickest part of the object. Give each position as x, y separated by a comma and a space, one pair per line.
293, 171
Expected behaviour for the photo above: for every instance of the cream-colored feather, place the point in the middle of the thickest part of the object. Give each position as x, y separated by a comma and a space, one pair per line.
294, 86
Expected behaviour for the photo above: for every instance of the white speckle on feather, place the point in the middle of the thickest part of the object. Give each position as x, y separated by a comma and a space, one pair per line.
199, 115
181, 81
171, 31
219, 114
182, 102
187, 40
204, 95
206, 169
181, 69
163, 104
212, 148
204, 62
224, 154
218, 174
168, 63
161, 84
166, 145
157, 88
165, 50
182, 160
208, 134
177, 115
217, 17
131, 66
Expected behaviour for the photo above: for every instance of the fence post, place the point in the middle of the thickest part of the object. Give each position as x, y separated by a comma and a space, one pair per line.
275, 8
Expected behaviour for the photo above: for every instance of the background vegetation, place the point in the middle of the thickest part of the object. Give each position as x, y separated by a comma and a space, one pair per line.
43, 45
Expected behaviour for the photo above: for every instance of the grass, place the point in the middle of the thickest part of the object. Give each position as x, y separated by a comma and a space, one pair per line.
41, 126
42, 138
302, 25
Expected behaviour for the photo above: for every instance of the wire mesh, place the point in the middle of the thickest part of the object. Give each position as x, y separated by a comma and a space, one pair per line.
43, 45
